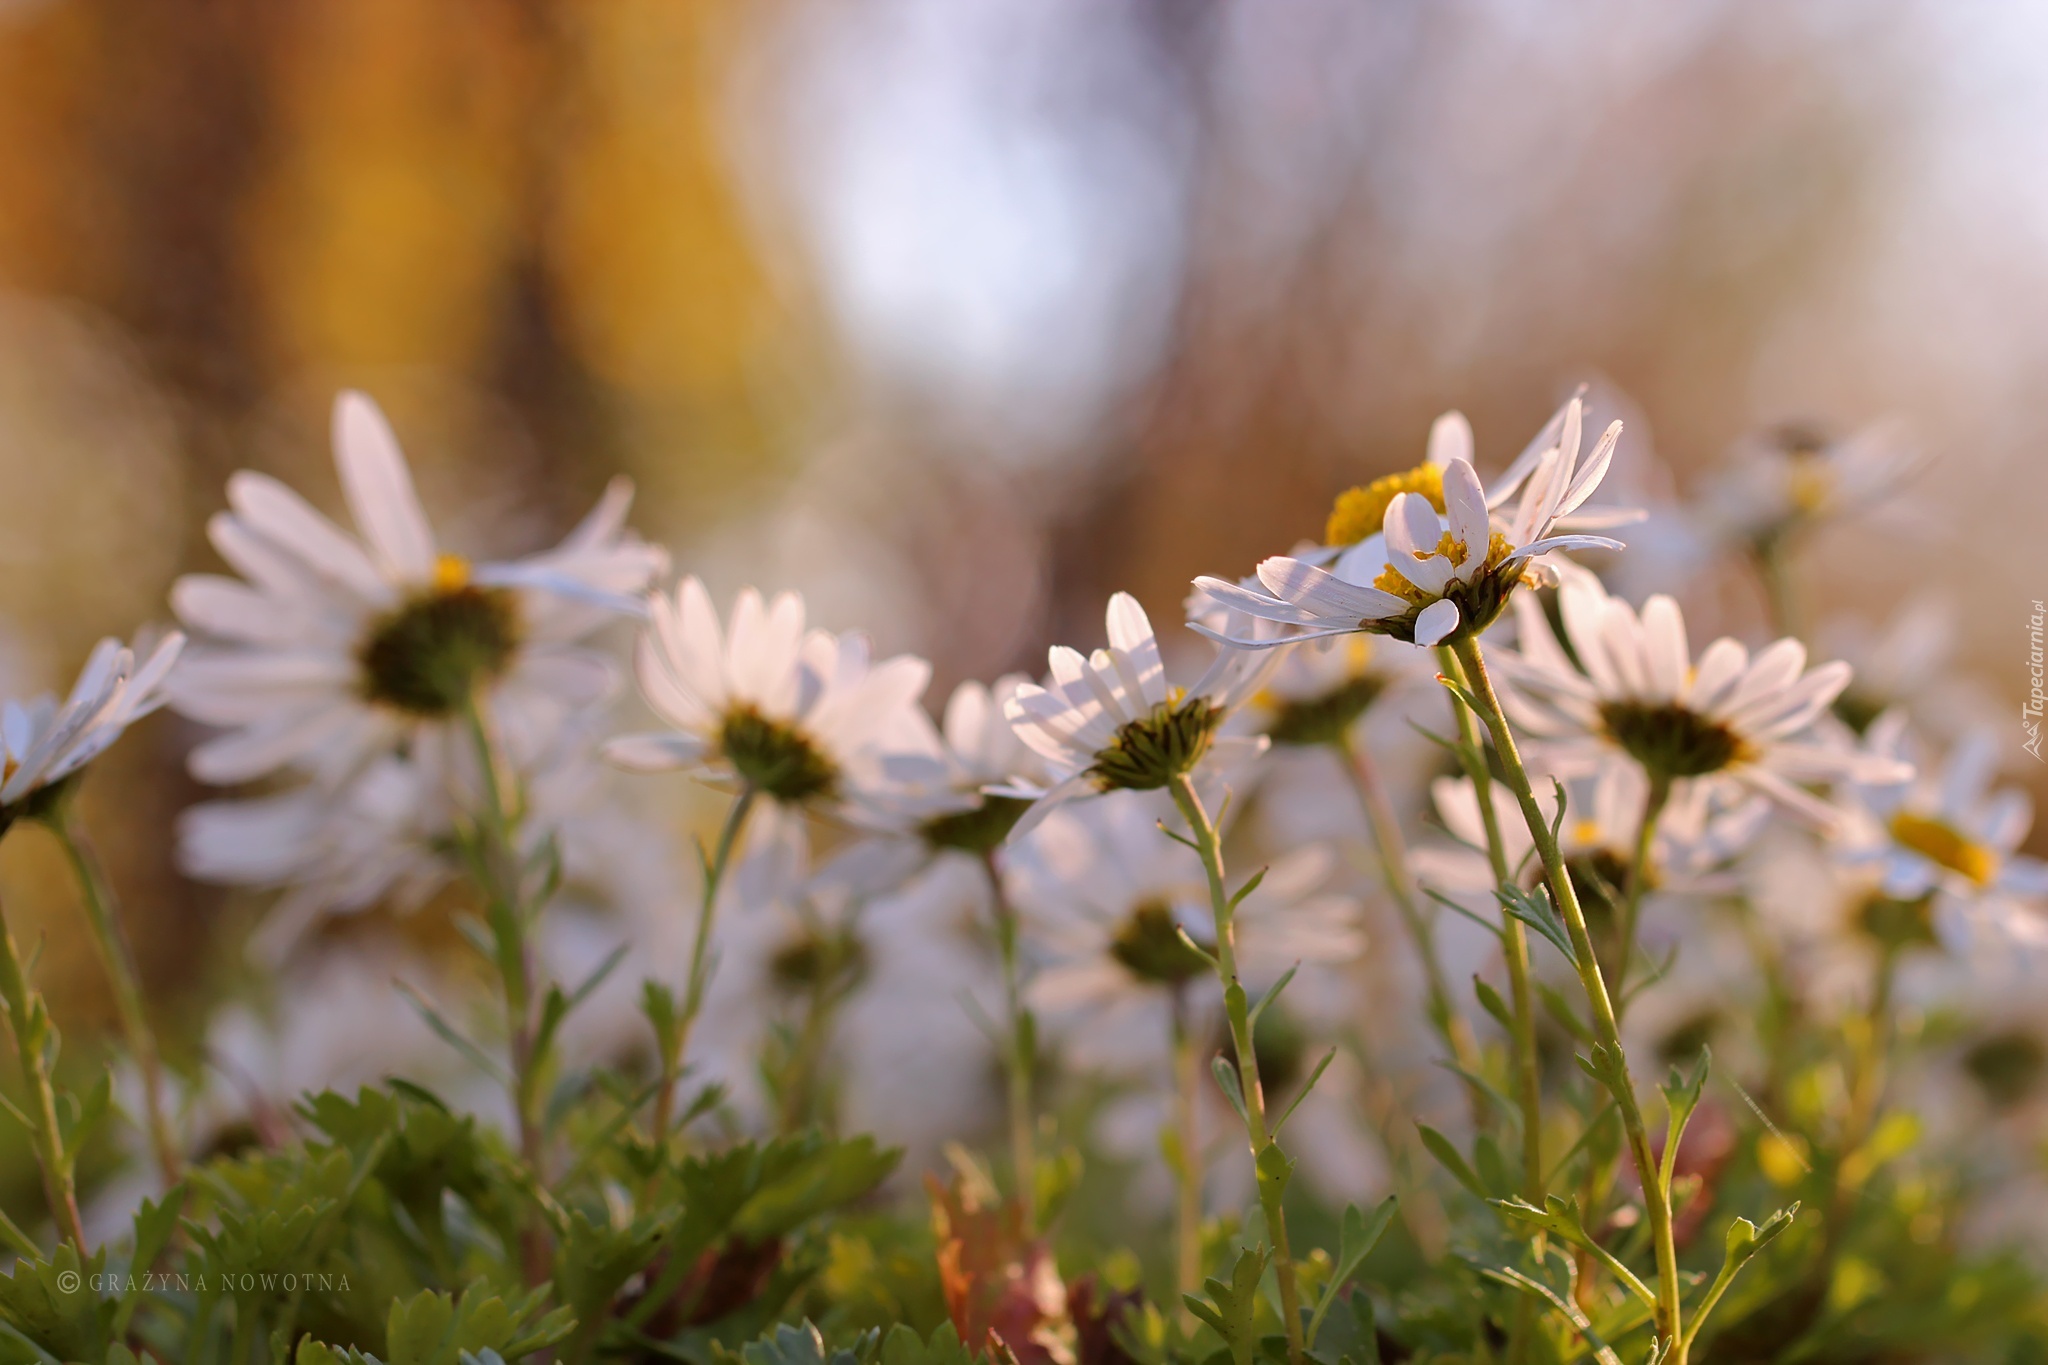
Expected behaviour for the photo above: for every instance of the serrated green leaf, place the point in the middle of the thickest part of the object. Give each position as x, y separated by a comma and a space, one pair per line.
1357, 1235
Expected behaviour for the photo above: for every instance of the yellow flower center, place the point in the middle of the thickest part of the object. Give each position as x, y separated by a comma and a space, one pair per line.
450, 573
1809, 483
1586, 832
1941, 844
1361, 512
1391, 579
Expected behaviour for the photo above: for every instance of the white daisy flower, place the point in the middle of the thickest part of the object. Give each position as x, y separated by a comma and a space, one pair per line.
387, 836
1697, 834
1442, 565
1794, 476
1635, 690
44, 743
1946, 830
1110, 722
796, 714
330, 650
1105, 899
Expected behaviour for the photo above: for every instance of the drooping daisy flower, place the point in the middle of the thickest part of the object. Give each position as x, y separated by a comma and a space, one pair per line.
1440, 567
331, 650
1946, 830
1109, 721
1105, 900
43, 743
798, 715
1635, 690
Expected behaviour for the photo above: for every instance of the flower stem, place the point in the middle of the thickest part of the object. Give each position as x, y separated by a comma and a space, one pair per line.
1656, 1195
1271, 1185
1514, 948
1187, 1089
675, 1048
1638, 882
497, 868
1395, 871
1023, 1043
28, 1018
118, 958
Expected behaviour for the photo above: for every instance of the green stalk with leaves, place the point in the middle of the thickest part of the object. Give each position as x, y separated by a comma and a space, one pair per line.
35, 1048
1271, 1167
1609, 1063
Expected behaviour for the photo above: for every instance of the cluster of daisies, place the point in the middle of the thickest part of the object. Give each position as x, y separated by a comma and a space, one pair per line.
369, 692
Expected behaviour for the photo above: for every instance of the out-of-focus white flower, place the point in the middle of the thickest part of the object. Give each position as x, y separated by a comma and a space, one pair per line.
1635, 690
1440, 566
1109, 721
1105, 898
1794, 476
799, 715
42, 742
1695, 836
387, 837
902, 1057
1948, 832
1902, 663
330, 651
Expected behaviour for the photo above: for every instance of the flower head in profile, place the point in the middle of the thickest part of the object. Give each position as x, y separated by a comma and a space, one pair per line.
1630, 686
797, 714
1948, 834
330, 650
1796, 476
1430, 557
1108, 721
45, 743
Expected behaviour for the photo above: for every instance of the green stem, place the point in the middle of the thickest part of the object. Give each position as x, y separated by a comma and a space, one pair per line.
499, 875
1187, 1090
675, 1049
28, 1018
1638, 882
119, 961
1656, 1197
1515, 948
1395, 871
1237, 1008
1023, 1043
1780, 601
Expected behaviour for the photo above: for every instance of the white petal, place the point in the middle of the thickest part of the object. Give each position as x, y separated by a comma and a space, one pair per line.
662, 751
1664, 648
1436, 620
378, 486
1450, 438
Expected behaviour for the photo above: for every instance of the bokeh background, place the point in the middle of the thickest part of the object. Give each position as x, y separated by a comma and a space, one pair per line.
959, 314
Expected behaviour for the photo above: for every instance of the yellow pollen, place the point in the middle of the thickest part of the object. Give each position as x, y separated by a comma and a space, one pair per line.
1360, 512
1941, 844
1392, 580
1809, 483
451, 572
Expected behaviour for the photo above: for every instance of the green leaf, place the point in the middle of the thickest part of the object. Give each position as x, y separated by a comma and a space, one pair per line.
1231, 1310
1302, 1094
1251, 885
1560, 1218
1562, 1014
1357, 1235
1451, 1159
903, 1346
1490, 1001
1274, 1169
1534, 910
1226, 1079
1273, 993
1740, 1245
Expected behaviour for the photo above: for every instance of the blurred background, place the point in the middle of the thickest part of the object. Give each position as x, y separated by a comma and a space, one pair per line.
959, 314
